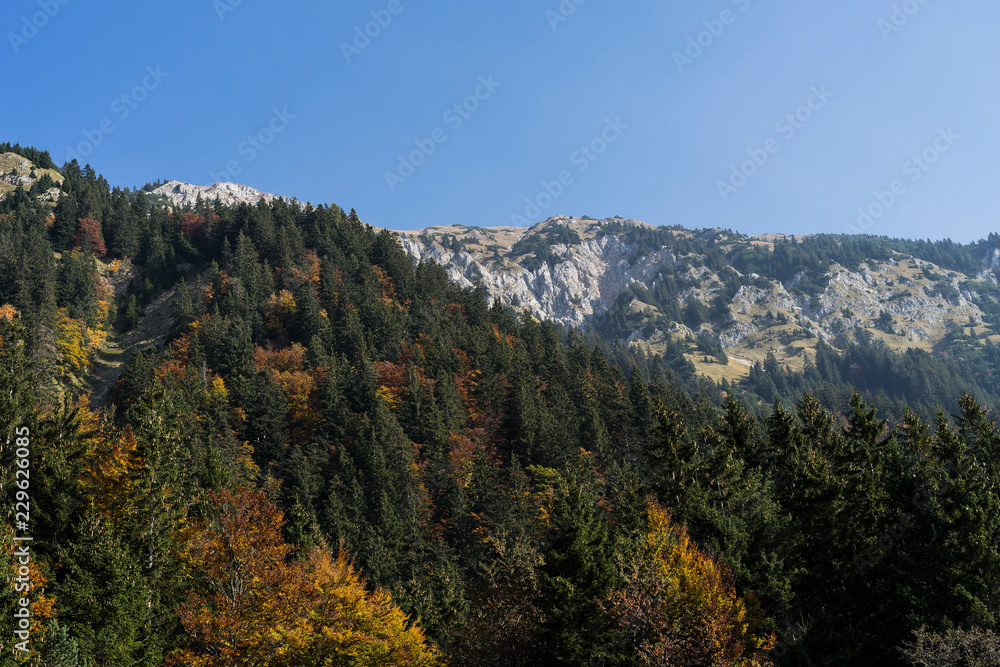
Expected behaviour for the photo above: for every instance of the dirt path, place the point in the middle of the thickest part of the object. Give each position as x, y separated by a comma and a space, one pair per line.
114, 357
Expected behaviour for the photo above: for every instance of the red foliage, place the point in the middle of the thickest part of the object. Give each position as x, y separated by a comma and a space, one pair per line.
193, 226
88, 236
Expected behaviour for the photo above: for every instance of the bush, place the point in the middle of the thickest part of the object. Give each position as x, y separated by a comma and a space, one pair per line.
954, 648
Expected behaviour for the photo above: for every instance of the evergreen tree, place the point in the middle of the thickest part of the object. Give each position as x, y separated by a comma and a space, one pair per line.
60, 649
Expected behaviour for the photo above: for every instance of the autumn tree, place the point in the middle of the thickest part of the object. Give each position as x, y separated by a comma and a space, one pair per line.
88, 236
253, 606
678, 606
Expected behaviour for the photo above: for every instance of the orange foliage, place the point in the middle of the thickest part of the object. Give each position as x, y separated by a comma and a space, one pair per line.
287, 360
681, 607
256, 607
506, 340
43, 608
391, 381
295, 277
88, 236
388, 287
193, 226
181, 346
170, 369
301, 387
8, 312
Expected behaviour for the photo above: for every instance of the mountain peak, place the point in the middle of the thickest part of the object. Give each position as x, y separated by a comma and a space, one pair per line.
229, 194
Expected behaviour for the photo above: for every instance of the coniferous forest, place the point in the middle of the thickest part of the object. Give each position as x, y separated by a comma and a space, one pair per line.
333, 455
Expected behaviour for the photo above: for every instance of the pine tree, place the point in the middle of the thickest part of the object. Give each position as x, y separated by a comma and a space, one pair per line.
60, 649
65, 225
577, 572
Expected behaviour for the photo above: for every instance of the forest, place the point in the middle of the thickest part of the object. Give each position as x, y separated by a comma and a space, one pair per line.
339, 457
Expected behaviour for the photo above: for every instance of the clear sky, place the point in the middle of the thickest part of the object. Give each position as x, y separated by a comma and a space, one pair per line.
176, 90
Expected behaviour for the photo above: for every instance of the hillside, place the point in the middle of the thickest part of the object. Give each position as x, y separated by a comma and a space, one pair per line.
643, 285
279, 417
20, 172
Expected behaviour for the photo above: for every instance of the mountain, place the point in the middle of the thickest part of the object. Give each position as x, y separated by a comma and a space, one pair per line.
20, 172
228, 194
753, 296
499, 488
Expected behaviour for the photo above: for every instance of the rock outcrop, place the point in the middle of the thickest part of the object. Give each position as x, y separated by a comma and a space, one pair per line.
583, 276
229, 194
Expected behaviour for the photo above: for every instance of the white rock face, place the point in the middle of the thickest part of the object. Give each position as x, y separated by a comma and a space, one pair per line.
229, 194
600, 268
593, 274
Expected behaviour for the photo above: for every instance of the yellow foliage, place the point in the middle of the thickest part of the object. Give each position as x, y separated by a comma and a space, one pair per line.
684, 605
95, 338
104, 312
347, 621
72, 342
119, 265
110, 476
218, 388
259, 608
8, 312
76, 342
387, 395
279, 310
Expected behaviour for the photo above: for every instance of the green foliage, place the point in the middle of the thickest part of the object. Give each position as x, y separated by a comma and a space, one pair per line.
60, 649
488, 471
41, 159
541, 250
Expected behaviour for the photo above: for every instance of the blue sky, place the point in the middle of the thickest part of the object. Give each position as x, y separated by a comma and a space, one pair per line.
600, 109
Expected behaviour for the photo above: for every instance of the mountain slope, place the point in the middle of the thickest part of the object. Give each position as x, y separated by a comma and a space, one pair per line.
643, 285
19, 172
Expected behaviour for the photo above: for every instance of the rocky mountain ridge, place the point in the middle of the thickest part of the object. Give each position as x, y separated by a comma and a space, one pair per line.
646, 285
229, 194
601, 273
